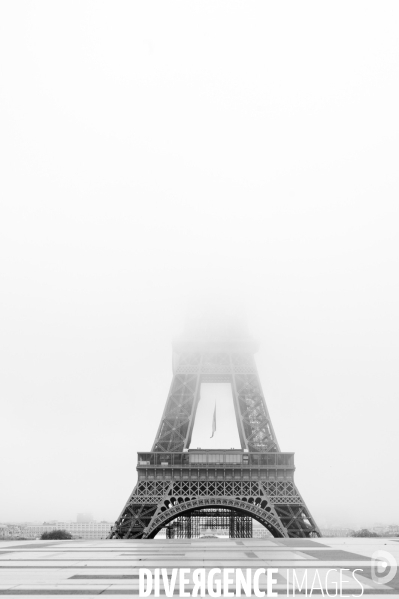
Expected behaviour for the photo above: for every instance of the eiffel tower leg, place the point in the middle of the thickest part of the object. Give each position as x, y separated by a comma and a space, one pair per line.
140, 510
297, 520
133, 521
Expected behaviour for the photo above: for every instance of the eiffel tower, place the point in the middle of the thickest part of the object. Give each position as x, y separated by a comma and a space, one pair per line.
256, 481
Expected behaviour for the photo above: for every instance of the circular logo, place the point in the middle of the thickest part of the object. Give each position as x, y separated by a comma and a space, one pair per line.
383, 567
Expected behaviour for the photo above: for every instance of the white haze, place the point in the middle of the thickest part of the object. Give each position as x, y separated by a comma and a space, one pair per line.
157, 155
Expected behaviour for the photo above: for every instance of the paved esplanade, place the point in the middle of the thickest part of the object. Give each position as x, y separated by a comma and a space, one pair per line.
90, 568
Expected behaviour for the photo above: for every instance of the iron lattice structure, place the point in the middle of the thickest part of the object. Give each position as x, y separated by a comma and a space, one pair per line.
256, 481
198, 522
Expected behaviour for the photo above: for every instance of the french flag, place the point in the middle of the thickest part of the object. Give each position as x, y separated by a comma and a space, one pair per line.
213, 422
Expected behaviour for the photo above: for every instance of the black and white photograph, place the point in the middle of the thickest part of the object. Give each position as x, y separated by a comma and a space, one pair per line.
199, 298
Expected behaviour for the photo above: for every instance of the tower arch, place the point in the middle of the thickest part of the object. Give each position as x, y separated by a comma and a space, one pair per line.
174, 510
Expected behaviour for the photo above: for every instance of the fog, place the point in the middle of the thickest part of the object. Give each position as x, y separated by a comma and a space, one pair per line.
165, 155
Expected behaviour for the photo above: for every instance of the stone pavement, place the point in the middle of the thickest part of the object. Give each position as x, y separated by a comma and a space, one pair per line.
111, 567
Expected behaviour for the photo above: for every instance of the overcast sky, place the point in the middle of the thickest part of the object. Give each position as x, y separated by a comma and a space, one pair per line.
155, 155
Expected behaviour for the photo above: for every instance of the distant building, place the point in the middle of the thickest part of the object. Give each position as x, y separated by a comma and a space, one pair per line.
392, 530
336, 532
84, 517
79, 530
11, 531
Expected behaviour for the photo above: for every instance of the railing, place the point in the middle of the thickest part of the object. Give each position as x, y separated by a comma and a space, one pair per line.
215, 459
